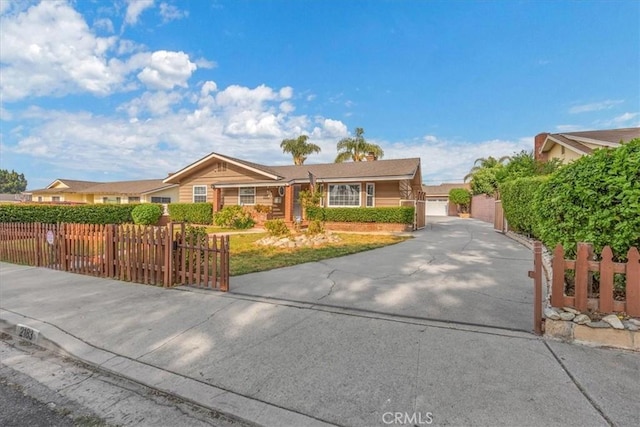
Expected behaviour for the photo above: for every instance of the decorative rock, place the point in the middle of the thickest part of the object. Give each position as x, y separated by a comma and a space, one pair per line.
582, 319
551, 313
613, 320
571, 310
630, 326
598, 325
634, 322
567, 315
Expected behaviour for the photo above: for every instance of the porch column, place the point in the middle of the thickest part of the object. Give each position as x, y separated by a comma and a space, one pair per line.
217, 199
288, 203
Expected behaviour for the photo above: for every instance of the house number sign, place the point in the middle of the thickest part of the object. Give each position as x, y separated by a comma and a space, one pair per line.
50, 237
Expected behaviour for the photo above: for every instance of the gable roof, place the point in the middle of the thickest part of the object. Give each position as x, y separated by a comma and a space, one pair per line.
577, 141
116, 187
443, 189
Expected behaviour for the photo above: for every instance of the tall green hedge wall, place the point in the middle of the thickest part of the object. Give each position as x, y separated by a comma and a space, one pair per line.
80, 214
517, 201
397, 215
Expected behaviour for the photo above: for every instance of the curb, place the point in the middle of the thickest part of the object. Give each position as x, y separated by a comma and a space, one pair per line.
232, 405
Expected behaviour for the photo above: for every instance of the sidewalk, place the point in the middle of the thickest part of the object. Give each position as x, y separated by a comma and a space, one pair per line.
278, 363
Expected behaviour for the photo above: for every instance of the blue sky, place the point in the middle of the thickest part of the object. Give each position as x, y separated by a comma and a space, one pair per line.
116, 90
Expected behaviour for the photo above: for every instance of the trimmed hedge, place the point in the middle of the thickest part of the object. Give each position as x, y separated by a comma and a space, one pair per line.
193, 213
146, 214
517, 201
393, 215
79, 214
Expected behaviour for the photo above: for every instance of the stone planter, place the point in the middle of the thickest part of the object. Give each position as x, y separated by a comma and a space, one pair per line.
464, 215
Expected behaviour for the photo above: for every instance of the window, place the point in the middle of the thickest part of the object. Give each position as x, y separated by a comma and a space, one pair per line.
371, 194
344, 195
247, 196
220, 167
199, 193
55, 198
39, 198
162, 200
133, 199
111, 200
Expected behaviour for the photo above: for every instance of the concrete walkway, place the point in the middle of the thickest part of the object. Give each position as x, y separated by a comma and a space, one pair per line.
301, 364
454, 270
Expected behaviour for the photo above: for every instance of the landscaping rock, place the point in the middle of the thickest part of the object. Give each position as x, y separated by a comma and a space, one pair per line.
581, 319
571, 310
298, 241
630, 326
565, 315
634, 322
613, 320
598, 325
551, 313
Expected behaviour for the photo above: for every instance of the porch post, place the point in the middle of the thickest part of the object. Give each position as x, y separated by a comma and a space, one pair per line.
217, 199
288, 203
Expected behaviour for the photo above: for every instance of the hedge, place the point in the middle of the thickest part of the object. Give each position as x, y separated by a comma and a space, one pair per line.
517, 201
146, 214
193, 213
395, 215
595, 199
80, 214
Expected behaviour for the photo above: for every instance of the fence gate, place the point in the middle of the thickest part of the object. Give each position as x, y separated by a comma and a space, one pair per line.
420, 212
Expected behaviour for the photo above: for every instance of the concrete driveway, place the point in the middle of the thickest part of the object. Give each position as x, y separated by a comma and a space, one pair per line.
455, 270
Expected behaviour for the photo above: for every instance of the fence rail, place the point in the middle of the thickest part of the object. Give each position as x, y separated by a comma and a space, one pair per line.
141, 254
584, 266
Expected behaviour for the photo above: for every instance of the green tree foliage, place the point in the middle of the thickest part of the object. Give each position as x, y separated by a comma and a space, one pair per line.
461, 197
12, 182
594, 199
357, 148
517, 201
299, 148
146, 214
485, 163
524, 164
276, 227
485, 181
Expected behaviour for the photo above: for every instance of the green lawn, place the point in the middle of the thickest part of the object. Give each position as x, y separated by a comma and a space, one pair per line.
247, 257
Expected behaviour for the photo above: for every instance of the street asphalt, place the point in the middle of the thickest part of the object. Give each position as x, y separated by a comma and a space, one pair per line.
386, 337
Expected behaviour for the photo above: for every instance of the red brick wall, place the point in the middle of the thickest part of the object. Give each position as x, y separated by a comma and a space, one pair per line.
366, 226
483, 208
537, 145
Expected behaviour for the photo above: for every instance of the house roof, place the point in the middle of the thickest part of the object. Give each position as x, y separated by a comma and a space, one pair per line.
376, 170
116, 187
443, 189
578, 141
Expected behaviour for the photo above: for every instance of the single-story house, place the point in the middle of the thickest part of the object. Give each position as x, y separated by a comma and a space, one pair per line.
437, 197
73, 191
11, 198
568, 146
223, 181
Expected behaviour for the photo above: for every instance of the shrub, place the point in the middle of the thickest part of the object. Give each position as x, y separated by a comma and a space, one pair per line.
79, 214
595, 199
517, 201
396, 215
193, 213
262, 209
146, 214
460, 197
234, 217
315, 227
276, 227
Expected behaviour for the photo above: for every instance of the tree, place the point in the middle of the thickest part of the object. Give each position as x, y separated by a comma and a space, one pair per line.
299, 148
12, 182
461, 197
525, 165
357, 148
485, 163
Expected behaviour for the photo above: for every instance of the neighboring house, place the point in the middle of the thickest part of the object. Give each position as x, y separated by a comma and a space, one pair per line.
72, 191
225, 181
11, 198
569, 146
437, 197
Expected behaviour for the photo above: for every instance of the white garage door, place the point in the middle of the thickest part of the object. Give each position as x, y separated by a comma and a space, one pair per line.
437, 207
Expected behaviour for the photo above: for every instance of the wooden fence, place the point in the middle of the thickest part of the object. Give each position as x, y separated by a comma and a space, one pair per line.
584, 267
142, 254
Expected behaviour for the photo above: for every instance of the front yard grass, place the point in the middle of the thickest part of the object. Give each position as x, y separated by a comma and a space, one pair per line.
246, 257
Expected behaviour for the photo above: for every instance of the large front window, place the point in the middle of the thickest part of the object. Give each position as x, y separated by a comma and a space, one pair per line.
199, 193
344, 195
247, 196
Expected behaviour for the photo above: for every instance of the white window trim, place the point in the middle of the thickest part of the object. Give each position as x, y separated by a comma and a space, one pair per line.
193, 194
344, 206
254, 196
373, 196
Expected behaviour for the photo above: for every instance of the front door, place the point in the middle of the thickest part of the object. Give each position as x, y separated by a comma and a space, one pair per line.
297, 209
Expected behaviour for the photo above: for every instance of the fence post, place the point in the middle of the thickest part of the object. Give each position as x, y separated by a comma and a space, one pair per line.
536, 275
63, 247
224, 263
168, 255
582, 275
606, 281
633, 282
557, 284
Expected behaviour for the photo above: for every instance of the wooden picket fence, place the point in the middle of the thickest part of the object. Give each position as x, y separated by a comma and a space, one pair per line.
584, 266
161, 256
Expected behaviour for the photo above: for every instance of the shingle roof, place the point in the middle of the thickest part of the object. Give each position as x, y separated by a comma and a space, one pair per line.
116, 187
378, 168
443, 189
609, 135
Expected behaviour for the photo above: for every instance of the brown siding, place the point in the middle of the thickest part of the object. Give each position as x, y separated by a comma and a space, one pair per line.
483, 207
387, 194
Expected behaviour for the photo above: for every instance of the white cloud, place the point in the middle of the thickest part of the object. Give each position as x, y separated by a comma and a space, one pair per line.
135, 8
624, 118
595, 106
286, 92
208, 87
205, 63
170, 12
569, 128
152, 103
287, 107
166, 70
103, 24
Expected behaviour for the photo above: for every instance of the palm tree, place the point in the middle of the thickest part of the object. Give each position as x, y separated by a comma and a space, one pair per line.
357, 148
299, 148
485, 163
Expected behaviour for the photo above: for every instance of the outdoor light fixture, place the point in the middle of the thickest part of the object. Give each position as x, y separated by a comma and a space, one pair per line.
213, 186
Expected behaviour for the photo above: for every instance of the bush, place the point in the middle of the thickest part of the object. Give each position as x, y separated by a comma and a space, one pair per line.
397, 215
234, 217
460, 197
517, 201
315, 227
146, 214
276, 227
78, 214
193, 213
595, 199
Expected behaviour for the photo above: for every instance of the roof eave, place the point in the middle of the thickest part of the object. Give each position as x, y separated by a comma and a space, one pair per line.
185, 170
